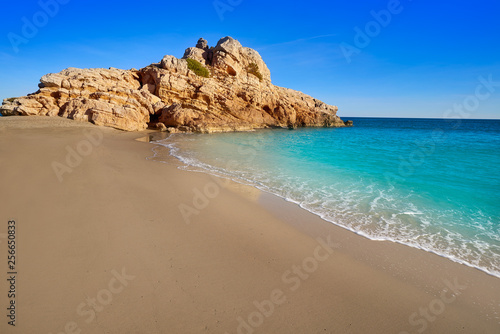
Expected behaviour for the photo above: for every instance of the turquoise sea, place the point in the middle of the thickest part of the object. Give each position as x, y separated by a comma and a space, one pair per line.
432, 184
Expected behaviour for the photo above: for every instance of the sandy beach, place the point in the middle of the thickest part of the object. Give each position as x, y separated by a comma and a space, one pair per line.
109, 241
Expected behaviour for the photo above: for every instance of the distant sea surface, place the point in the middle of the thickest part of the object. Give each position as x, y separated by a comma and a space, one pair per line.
432, 184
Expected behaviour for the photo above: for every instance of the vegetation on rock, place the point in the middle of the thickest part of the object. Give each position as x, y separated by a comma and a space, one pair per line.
198, 68
254, 69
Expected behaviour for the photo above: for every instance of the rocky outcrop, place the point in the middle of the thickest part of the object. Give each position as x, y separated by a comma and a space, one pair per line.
109, 97
238, 95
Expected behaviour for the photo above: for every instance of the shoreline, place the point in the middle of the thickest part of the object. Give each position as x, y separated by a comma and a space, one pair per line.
201, 169
246, 252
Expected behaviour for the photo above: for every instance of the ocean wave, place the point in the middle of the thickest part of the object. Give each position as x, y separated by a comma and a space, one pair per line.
382, 214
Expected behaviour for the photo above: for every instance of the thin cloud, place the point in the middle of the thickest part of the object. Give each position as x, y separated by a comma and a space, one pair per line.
4, 56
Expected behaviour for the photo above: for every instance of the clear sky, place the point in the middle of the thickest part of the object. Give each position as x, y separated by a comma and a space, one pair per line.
420, 58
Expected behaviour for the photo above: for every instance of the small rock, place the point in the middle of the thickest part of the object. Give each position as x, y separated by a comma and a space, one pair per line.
172, 130
202, 44
161, 127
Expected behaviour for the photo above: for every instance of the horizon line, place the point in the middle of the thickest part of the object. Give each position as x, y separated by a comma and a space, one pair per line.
442, 118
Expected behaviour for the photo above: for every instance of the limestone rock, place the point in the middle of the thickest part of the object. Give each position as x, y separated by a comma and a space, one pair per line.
161, 127
169, 93
202, 44
196, 54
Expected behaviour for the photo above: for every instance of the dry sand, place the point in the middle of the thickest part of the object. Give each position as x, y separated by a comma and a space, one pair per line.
107, 250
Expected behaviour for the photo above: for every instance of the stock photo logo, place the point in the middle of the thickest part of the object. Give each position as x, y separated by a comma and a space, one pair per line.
94, 305
30, 26
223, 6
454, 116
363, 37
74, 155
429, 313
293, 278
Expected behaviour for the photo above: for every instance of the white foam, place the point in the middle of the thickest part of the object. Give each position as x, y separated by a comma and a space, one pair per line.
340, 211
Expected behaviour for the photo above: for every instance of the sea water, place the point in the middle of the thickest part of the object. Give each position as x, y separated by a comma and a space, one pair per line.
432, 184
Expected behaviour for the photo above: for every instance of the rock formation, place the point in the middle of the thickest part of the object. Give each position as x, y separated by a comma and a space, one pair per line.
237, 95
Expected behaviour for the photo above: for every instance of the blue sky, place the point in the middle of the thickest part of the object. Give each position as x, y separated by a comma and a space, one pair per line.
419, 59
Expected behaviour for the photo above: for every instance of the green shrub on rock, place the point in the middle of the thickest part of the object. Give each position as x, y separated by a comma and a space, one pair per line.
253, 68
198, 68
